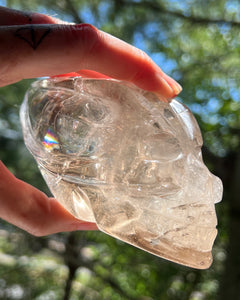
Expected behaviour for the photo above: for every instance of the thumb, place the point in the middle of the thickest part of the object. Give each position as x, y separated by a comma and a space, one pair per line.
28, 208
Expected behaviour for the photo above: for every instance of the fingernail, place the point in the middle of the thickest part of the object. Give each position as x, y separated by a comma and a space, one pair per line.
85, 226
174, 84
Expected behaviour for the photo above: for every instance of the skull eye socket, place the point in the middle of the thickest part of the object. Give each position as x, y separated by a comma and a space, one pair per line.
163, 147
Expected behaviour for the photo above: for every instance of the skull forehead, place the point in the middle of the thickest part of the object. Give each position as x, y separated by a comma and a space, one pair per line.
132, 114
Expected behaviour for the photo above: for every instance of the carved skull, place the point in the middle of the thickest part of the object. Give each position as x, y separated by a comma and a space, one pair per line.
119, 156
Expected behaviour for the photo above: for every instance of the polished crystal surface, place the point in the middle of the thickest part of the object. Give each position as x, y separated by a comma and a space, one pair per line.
122, 157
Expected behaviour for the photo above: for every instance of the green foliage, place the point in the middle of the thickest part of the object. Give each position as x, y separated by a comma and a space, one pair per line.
198, 43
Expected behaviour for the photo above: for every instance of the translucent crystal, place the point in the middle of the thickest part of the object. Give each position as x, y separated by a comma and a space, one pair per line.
116, 155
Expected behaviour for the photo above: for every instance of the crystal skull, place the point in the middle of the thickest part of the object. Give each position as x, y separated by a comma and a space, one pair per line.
124, 158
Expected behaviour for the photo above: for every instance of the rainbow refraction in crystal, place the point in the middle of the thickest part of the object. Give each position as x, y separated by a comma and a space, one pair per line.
50, 141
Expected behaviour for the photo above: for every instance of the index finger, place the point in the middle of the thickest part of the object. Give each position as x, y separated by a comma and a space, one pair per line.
29, 51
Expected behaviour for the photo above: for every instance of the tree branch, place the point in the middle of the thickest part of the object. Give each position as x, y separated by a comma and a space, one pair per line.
110, 281
191, 18
73, 11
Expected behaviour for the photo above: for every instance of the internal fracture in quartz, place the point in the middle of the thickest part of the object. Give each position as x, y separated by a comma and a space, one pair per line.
121, 157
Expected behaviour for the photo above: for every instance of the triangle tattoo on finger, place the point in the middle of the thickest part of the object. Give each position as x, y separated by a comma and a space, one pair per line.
32, 36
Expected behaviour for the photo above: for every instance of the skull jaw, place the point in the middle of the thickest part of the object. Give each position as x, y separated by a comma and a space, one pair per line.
164, 248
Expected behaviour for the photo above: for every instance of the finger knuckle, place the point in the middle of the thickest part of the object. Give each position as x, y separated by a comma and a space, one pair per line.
86, 34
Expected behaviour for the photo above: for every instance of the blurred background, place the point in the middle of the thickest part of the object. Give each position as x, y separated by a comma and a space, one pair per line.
197, 42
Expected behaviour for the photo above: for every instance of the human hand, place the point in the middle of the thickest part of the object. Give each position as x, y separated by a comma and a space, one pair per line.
35, 45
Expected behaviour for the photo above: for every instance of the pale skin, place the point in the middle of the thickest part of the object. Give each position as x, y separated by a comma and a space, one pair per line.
35, 45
